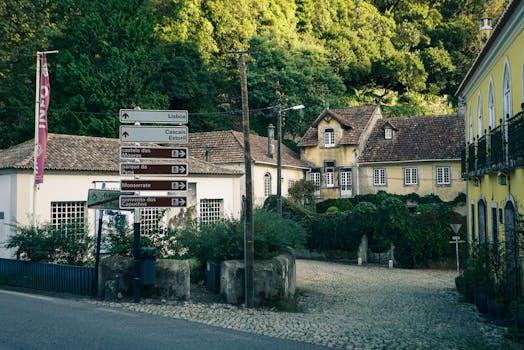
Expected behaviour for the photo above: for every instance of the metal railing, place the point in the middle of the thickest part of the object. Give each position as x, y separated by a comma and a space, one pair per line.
78, 280
502, 148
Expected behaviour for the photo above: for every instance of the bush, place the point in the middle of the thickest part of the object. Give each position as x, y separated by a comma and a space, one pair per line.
69, 244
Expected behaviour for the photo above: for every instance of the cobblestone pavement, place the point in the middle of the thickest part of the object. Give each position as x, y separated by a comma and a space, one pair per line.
353, 307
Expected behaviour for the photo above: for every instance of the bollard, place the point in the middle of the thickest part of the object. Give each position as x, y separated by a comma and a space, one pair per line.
391, 264
359, 261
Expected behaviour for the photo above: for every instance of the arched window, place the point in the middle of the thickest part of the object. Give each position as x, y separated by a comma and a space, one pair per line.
491, 106
480, 126
470, 125
506, 93
482, 222
267, 184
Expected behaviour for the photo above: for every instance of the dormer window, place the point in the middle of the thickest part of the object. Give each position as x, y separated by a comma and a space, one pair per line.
388, 133
329, 137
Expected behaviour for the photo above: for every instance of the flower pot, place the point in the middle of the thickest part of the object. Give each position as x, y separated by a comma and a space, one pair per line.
481, 302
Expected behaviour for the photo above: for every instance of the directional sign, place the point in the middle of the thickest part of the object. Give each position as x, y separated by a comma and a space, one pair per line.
104, 199
153, 116
153, 169
153, 185
158, 134
127, 202
153, 152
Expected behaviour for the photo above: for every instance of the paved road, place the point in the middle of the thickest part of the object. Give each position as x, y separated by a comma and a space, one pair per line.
350, 307
47, 323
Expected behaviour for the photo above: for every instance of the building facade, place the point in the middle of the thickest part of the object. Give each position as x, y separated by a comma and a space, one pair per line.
76, 164
354, 151
492, 102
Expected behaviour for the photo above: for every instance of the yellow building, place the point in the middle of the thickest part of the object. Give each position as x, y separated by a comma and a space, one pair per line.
492, 95
355, 151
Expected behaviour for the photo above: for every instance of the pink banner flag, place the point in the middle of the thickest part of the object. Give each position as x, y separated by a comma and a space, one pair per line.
45, 90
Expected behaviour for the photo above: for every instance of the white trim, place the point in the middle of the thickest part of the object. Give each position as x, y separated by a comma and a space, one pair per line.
492, 110
410, 161
480, 121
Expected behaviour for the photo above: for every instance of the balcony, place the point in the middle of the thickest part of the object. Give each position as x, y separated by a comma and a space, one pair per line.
501, 149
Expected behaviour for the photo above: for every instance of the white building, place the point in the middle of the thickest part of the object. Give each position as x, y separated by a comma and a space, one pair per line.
76, 164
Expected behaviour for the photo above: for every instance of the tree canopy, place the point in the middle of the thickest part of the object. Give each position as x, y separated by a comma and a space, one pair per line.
181, 54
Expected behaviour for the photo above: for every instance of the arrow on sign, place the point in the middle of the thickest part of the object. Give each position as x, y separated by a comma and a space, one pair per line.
125, 116
178, 202
178, 153
178, 169
125, 134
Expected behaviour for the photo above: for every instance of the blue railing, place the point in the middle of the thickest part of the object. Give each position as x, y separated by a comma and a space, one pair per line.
77, 280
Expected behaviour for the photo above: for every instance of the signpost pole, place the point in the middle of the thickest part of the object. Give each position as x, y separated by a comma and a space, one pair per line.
97, 252
136, 256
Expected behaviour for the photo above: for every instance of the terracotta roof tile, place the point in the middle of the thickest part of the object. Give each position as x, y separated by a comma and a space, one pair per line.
84, 153
353, 119
228, 147
416, 138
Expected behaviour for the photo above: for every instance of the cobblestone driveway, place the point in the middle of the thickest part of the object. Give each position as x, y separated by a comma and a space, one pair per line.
355, 307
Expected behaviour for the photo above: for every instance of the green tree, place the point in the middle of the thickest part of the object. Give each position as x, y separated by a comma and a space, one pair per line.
109, 59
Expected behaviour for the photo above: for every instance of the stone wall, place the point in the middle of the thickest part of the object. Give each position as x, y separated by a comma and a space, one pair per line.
271, 277
115, 279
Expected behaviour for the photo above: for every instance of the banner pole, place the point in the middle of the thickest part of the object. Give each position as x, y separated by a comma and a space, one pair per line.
37, 110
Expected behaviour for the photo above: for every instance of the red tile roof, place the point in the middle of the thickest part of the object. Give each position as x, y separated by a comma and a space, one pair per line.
416, 138
353, 119
84, 153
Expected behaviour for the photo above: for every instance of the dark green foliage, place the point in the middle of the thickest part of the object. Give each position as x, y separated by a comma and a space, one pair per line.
68, 244
119, 237
302, 191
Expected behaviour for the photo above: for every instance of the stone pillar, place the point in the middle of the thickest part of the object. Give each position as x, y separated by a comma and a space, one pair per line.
363, 249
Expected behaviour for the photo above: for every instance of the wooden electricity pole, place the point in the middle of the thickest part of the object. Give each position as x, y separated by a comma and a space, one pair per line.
249, 249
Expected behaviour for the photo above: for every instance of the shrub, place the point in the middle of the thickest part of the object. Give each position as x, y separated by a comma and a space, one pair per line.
69, 244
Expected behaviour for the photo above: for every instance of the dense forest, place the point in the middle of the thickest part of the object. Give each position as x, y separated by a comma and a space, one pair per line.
183, 54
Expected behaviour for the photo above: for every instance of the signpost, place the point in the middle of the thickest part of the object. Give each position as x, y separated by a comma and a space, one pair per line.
153, 116
151, 134
154, 185
152, 202
455, 227
153, 152
157, 134
163, 169
104, 199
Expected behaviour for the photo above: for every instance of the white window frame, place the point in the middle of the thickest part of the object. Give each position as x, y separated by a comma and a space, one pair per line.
267, 184
150, 220
491, 106
388, 133
471, 138
379, 177
330, 177
443, 175
506, 93
329, 137
211, 210
315, 177
410, 176
480, 128
68, 213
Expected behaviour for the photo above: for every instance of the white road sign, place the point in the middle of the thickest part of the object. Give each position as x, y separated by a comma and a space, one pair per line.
157, 134
153, 116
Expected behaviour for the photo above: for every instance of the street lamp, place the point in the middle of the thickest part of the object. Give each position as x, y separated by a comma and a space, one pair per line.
279, 153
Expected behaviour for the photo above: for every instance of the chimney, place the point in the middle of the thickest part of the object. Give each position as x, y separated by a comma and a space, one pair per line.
485, 28
270, 139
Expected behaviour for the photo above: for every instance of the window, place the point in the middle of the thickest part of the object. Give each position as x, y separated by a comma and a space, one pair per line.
443, 175
290, 183
68, 214
470, 125
480, 126
211, 211
267, 184
506, 93
329, 137
410, 176
315, 177
345, 182
388, 133
379, 177
494, 229
330, 177
150, 220
472, 213
491, 106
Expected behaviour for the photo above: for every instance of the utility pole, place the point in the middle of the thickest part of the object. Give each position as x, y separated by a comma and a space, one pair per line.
279, 162
249, 249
